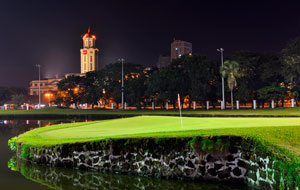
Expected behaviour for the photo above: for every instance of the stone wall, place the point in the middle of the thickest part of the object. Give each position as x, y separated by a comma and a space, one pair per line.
222, 159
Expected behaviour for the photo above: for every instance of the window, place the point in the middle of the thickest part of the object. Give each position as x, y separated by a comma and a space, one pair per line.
34, 92
91, 59
84, 58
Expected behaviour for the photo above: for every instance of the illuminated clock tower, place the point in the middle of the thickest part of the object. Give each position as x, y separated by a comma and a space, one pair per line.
89, 53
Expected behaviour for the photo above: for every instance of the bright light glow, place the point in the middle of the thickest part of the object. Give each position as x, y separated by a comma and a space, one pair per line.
48, 95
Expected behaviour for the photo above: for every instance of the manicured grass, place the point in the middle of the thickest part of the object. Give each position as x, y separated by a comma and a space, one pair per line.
295, 112
283, 133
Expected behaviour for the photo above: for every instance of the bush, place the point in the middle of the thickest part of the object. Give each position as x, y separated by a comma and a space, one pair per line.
12, 143
12, 164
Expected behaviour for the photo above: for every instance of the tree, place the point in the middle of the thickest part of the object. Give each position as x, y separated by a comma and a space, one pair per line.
231, 71
92, 86
113, 82
290, 57
17, 100
69, 90
201, 76
273, 92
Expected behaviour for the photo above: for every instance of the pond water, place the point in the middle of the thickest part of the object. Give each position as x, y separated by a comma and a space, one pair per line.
35, 177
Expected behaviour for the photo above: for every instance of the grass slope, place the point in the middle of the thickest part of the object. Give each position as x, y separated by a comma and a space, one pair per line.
282, 133
243, 112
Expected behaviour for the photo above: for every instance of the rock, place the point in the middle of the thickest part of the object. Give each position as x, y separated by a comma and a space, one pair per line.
210, 158
230, 158
241, 163
237, 171
223, 174
190, 164
212, 172
218, 166
188, 171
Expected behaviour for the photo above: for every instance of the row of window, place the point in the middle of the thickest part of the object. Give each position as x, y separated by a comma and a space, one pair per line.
91, 67
37, 84
91, 58
89, 44
37, 92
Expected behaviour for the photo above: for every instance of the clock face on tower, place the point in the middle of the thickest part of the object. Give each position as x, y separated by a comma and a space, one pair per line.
84, 52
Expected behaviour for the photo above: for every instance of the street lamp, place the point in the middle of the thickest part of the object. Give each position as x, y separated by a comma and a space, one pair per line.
223, 93
122, 61
49, 95
39, 67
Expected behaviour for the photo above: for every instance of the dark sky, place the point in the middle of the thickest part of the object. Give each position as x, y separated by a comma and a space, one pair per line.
48, 32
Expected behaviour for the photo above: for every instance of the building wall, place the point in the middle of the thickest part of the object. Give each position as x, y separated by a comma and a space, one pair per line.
89, 54
163, 61
179, 48
46, 85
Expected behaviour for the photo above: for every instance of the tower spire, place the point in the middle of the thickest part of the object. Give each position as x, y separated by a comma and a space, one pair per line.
89, 29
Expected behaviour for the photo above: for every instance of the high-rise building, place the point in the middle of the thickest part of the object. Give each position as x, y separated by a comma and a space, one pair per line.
163, 60
89, 53
179, 48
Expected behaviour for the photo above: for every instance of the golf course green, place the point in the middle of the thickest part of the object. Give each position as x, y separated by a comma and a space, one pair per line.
277, 133
278, 112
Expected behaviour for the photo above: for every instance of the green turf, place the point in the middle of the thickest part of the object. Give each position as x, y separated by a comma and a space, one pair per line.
278, 132
212, 112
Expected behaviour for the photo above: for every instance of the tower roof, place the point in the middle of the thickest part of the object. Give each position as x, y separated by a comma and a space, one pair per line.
89, 35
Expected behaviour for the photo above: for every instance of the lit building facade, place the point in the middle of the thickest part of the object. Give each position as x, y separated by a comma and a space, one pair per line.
89, 53
46, 86
179, 48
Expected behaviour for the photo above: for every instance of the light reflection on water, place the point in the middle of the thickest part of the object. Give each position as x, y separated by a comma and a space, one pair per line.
31, 176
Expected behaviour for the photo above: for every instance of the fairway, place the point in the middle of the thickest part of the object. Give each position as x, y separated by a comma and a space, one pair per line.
153, 124
281, 131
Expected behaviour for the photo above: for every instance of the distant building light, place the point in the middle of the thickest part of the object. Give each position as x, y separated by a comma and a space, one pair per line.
179, 55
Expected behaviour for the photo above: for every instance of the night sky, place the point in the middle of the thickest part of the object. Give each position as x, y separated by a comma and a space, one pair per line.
49, 32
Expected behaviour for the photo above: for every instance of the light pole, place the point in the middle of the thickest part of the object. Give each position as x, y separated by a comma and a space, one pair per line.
49, 95
122, 61
223, 93
39, 67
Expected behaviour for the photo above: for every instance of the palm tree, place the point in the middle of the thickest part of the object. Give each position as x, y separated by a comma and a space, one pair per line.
231, 71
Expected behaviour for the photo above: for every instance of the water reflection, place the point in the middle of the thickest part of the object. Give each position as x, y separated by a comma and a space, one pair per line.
67, 179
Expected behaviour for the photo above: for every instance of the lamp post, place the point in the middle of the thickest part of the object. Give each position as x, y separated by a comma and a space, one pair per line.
39, 67
49, 95
223, 93
122, 61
